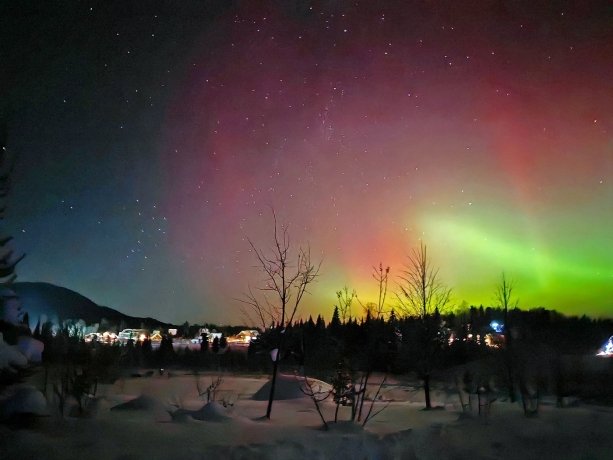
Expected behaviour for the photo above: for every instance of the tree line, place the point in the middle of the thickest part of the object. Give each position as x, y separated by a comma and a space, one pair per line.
419, 335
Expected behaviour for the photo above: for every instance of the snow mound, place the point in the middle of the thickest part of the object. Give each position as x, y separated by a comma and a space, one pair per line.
93, 408
141, 403
11, 359
287, 387
23, 400
31, 348
210, 412
144, 404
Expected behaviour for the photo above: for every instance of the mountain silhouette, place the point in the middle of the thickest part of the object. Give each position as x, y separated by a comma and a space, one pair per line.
48, 302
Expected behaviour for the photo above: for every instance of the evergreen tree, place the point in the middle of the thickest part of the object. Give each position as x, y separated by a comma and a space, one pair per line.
335, 324
204, 342
37, 333
166, 351
10, 310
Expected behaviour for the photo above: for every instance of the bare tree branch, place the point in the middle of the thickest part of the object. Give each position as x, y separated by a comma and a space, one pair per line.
422, 295
345, 299
381, 276
370, 415
284, 287
421, 292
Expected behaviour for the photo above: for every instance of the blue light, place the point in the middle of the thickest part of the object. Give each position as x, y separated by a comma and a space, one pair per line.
496, 326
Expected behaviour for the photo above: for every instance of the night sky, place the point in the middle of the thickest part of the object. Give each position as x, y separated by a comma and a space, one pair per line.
153, 138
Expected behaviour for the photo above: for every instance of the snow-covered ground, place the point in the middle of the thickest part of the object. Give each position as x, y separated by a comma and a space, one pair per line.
162, 416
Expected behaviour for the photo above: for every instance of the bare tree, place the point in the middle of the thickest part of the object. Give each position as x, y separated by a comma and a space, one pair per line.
369, 309
381, 276
317, 395
422, 295
375, 310
504, 298
421, 292
209, 391
285, 283
345, 299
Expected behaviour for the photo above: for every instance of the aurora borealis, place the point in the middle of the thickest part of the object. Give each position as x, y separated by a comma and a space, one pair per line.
153, 139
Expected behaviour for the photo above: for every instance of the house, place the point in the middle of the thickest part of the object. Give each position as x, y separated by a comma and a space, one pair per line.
244, 336
156, 336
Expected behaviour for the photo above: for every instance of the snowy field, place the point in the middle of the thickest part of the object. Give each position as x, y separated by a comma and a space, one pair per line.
162, 416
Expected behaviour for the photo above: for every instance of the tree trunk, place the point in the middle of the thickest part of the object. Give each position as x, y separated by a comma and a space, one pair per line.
427, 391
363, 383
273, 383
510, 385
508, 357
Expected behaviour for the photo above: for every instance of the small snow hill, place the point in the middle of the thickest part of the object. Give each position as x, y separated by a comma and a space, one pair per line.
49, 302
288, 387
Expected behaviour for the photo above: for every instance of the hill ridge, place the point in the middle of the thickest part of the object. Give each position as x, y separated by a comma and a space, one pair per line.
49, 302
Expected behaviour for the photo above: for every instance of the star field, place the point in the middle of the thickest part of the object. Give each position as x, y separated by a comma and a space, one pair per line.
152, 141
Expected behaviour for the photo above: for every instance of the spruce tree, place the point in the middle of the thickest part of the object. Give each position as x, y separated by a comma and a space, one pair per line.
335, 324
9, 306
